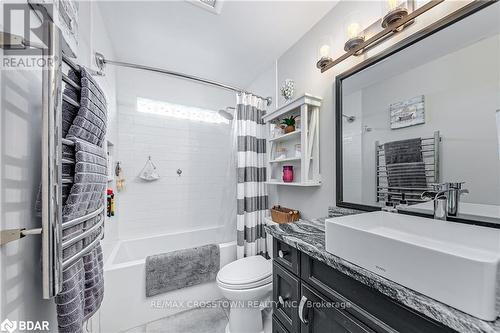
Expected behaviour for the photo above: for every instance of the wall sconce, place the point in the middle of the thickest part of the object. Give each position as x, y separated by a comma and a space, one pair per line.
395, 12
398, 16
354, 38
324, 52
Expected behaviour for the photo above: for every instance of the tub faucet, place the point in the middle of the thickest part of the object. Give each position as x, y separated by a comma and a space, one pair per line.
446, 198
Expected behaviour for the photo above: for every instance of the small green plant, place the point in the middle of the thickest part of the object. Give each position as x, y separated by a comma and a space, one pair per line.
290, 121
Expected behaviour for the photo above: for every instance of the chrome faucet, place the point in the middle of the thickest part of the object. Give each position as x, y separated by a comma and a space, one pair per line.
446, 198
455, 191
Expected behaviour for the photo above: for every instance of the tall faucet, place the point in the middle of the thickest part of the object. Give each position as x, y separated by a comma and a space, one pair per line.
446, 198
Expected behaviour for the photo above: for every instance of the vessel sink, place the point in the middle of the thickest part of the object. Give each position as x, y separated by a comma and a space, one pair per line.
454, 263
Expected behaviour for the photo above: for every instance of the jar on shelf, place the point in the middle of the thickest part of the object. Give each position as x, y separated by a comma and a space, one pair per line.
298, 149
287, 173
277, 131
281, 153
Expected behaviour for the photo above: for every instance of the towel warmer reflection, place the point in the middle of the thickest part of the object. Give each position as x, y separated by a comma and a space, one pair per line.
52, 162
430, 153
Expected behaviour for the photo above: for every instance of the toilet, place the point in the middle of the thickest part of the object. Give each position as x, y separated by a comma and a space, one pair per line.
247, 284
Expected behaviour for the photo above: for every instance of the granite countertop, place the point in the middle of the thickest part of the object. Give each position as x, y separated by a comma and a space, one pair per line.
308, 236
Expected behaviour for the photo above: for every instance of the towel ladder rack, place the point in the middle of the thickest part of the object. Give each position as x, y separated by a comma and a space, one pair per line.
81, 236
70, 63
70, 101
430, 149
72, 83
79, 220
67, 263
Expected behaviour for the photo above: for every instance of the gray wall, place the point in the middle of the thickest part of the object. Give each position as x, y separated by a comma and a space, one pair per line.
299, 63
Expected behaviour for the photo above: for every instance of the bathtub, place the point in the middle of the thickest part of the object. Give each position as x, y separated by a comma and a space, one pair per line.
125, 304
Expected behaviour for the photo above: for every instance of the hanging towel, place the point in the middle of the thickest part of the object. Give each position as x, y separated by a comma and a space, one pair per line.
405, 165
82, 285
91, 119
83, 282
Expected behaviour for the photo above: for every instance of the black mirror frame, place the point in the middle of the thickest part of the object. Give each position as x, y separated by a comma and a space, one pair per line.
439, 25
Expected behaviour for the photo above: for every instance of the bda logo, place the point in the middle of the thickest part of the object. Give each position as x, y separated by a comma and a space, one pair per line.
24, 325
8, 326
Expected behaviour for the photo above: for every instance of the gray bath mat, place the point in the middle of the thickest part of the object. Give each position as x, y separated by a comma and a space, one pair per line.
183, 268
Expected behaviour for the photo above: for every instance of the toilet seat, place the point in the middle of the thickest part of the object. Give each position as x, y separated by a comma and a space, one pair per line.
245, 273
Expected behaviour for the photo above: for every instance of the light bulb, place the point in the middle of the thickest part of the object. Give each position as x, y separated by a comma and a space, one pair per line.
353, 30
324, 51
392, 4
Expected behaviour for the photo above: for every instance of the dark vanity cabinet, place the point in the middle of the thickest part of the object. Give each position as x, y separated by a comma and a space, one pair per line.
312, 297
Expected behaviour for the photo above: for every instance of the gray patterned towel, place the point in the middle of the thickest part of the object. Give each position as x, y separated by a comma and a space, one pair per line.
405, 165
91, 119
82, 287
83, 282
69, 111
182, 268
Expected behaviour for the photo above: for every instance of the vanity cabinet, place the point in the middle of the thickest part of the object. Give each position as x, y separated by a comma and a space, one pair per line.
317, 318
310, 296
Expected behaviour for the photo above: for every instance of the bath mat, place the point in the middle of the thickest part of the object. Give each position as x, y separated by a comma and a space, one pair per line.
180, 269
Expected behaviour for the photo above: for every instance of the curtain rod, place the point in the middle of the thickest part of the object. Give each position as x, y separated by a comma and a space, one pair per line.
101, 63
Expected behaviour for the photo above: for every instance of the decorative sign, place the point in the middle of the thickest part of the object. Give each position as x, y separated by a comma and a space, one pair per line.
408, 113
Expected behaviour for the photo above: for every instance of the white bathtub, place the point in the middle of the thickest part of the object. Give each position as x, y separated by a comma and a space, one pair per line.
125, 304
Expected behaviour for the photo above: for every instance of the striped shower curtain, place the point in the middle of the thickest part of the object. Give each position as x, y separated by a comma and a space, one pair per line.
251, 191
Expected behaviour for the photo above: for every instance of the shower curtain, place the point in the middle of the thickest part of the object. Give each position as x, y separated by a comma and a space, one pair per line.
251, 165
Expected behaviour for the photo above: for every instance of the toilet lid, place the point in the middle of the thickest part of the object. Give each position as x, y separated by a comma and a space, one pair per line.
253, 271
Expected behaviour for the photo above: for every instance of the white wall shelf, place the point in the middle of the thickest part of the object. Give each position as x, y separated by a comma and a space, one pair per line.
280, 182
288, 136
306, 168
281, 160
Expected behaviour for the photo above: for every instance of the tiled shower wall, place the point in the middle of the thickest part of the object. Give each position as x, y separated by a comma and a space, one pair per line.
196, 199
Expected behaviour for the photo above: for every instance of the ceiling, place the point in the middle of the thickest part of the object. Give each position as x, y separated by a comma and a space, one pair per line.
233, 47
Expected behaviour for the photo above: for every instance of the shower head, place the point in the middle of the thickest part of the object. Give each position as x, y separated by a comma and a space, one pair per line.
349, 119
226, 113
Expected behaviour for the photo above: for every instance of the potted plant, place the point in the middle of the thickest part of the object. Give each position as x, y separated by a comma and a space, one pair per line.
289, 124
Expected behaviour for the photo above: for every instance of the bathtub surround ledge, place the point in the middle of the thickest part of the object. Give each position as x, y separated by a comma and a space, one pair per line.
308, 236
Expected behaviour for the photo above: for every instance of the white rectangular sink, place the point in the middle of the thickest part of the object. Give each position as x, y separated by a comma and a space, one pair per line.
454, 263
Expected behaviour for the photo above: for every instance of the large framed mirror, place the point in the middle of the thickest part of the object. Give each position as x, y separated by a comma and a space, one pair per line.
425, 111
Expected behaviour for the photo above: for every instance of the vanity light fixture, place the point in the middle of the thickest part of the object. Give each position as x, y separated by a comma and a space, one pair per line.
355, 38
324, 52
395, 20
395, 12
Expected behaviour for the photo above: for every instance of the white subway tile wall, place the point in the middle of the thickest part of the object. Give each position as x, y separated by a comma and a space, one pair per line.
174, 203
